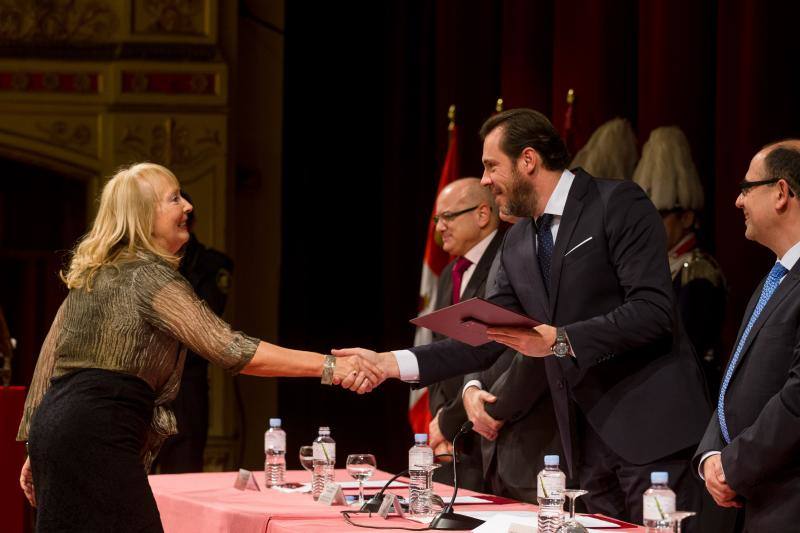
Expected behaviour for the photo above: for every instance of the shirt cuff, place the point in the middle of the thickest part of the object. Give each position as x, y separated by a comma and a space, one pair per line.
471, 383
407, 365
702, 460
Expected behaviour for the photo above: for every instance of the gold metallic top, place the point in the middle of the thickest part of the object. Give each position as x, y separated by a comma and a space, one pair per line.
138, 318
451, 117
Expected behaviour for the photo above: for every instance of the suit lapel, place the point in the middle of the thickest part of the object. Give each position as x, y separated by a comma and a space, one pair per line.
444, 294
478, 278
569, 219
788, 285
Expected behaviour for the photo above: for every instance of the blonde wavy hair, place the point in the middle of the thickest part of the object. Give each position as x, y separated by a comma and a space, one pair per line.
124, 224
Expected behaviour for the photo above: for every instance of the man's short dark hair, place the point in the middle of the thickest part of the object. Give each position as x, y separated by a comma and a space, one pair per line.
528, 128
784, 163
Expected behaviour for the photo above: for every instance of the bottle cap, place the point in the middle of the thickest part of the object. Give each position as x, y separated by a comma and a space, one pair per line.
659, 478
551, 460
421, 438
324, 430
274, 422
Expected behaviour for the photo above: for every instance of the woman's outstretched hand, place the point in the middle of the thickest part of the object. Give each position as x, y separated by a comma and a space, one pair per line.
357, 373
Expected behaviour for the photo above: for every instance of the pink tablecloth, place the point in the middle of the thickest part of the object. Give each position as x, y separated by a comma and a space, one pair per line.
201, 503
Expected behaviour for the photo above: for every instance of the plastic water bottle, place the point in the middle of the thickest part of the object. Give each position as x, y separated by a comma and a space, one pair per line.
274, 453
420, 457
658, 500
550, 483
324, 462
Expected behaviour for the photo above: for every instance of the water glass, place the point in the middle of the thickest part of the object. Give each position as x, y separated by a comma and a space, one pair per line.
361, 467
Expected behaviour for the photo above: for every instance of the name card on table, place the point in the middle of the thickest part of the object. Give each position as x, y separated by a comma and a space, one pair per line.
246, 481
332, 495
390, 501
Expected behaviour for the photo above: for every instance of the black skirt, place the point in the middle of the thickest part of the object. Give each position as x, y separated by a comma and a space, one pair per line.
85, 443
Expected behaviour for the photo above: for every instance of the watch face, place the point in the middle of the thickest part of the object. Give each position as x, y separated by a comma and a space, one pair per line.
560, 349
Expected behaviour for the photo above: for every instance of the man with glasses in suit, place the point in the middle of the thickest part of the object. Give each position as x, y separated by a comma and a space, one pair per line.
749, 454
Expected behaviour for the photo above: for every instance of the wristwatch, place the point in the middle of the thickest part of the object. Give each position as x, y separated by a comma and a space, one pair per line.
327, 370
561, 347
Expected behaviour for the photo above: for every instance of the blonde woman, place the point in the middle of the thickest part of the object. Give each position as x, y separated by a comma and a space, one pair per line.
97, 410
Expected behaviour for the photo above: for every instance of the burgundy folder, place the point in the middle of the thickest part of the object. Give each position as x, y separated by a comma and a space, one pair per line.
467, 321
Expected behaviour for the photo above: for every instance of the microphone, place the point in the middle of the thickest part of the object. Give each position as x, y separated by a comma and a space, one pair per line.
447, 519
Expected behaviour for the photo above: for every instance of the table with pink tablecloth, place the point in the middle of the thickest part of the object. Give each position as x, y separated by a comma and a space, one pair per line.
207, 502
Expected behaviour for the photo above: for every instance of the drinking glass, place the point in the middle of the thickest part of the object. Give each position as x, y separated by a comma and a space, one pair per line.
677, 517
307, 458
361, 466
572, 525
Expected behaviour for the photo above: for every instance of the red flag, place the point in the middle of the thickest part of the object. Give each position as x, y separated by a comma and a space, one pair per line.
435, 260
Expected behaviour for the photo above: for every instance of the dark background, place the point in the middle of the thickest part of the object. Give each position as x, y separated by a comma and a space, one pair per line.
367, 89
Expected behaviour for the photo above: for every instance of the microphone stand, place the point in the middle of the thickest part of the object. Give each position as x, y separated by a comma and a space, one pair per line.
374, 503
447, 519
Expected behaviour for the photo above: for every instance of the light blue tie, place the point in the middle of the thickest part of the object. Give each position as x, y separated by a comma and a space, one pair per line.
774, 277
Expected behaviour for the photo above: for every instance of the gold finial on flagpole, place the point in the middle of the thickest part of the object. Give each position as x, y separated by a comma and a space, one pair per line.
498, 106
451, 116
571, 96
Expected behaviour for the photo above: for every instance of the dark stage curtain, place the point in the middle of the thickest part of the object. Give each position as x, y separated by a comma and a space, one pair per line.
367, 92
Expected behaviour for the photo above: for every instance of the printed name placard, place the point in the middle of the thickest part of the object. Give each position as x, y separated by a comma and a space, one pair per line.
246, 481
332, 495
390, 501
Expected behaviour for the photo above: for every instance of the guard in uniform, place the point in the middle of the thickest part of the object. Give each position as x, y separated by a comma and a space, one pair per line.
209, 272
668, 175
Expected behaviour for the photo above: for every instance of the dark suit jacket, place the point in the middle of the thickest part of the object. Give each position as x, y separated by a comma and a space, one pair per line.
762, 411
446, 394
635, 376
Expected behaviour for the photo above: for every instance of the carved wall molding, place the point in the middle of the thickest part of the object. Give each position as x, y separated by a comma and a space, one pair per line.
73, 21
81, 22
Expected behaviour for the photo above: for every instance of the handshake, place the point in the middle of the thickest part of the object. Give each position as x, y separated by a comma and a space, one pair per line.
361, 370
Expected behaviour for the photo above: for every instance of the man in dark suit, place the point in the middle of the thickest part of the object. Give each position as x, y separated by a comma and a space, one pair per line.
590, 264
466, 218
750, 454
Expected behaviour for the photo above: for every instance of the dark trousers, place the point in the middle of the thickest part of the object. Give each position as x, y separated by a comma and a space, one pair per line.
616, 486
499, 487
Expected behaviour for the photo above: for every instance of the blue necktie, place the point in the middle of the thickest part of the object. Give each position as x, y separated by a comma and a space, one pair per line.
774, 277
544, 245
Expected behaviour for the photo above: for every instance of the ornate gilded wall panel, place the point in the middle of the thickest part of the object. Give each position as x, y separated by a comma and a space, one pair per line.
194, 146
77, 21
174, 20
167, 83
72, 137
108, 21
47, 82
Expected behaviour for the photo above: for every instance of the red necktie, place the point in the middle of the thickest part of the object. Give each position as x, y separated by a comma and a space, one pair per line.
459, 268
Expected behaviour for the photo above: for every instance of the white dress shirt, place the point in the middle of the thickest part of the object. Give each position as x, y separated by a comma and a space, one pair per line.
406, 360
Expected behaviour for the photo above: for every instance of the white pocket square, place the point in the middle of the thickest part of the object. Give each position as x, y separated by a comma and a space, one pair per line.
578, 246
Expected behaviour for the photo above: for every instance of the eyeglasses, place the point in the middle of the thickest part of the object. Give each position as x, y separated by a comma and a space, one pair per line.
745, 185
449, 217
